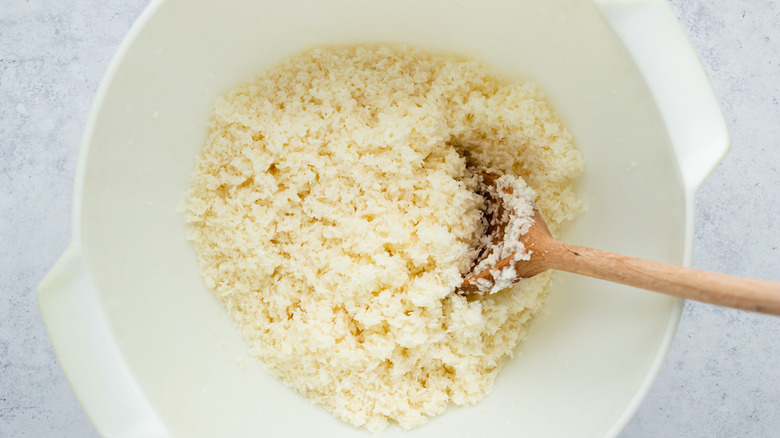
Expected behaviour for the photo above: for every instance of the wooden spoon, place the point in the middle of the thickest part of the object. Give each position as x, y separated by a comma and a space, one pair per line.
548, 253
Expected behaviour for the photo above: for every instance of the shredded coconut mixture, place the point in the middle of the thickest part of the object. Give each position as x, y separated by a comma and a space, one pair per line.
334, 214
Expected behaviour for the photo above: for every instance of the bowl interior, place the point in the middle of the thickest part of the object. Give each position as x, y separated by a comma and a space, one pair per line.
583, 363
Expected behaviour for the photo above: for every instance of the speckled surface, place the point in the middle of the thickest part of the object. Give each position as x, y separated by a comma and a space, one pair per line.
722, 376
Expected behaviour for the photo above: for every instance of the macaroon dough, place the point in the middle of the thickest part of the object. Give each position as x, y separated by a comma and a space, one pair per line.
334, 212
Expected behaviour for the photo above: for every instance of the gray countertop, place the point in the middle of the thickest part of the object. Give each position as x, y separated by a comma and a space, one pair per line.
722, 375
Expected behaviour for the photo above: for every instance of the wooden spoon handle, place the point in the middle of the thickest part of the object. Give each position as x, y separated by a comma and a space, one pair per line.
693, 284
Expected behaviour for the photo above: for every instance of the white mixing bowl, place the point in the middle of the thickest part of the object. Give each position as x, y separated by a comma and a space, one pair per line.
149, 351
